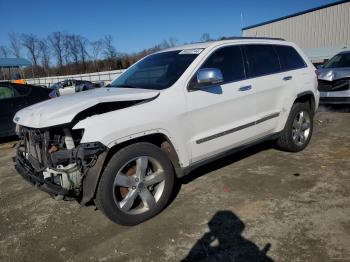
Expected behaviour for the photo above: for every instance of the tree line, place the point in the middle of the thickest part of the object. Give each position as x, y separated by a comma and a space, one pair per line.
62, 53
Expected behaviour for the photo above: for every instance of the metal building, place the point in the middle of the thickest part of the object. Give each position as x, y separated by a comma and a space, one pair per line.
321, 32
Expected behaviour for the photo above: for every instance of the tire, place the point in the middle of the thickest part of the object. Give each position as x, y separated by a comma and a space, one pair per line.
290, 139
129, 202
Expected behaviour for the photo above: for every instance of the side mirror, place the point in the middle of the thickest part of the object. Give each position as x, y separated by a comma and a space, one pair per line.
209, 76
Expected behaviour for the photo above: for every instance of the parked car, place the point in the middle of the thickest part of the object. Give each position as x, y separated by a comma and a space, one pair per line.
14, 97
169, 113
334, 79
71, 86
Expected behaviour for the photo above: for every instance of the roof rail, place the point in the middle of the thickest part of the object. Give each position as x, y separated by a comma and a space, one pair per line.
250, 37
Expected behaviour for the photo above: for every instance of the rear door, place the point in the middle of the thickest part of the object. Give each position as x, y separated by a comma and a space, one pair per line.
222, 116
294, 71
269, 84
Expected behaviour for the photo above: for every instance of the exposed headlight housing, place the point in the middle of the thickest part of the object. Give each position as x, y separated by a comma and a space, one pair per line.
18, 129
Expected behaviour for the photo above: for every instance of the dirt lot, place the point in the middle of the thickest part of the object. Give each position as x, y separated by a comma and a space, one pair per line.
257, 205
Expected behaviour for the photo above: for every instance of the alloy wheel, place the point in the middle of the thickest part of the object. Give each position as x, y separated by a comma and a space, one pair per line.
139, 185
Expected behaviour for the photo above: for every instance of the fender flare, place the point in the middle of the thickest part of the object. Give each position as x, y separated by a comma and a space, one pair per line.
93, 174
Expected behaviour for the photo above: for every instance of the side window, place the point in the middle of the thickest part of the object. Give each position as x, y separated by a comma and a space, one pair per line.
229, 60
21, 90
289, 58
6, 92
262, 60
64, 84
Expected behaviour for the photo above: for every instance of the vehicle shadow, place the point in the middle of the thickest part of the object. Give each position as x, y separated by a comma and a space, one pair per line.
224, 242
217, 164
8, 139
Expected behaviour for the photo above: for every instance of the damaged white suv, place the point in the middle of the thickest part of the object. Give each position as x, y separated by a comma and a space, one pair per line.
174, 110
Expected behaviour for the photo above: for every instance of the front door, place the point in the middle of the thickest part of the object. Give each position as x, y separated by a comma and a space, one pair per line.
222, 116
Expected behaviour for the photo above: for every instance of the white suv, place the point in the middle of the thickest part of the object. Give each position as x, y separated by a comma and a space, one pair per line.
174, 110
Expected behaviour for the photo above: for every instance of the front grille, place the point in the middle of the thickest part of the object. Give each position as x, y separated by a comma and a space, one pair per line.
333, 86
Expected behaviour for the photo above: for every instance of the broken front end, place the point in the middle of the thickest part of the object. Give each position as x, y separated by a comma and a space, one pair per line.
55, 161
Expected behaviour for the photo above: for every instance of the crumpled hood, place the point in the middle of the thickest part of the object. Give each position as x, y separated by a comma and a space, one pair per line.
62, 110
331, 74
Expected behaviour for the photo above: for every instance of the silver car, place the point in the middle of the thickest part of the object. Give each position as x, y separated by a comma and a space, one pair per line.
334, 79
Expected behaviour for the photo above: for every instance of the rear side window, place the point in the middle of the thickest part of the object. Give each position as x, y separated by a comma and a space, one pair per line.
262, 60
7, 92
229, 60
289, 58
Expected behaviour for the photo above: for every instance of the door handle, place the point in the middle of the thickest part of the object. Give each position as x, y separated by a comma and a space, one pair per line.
245, 88
286, 78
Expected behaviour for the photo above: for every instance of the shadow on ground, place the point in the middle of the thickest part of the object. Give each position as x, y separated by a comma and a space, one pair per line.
224, 242
8, 139
219, 163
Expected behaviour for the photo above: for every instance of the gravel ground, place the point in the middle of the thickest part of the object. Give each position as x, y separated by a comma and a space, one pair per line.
260, 204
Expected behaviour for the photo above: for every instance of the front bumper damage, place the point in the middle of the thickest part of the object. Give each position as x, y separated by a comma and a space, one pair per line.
37, 178
336, 92
57, 166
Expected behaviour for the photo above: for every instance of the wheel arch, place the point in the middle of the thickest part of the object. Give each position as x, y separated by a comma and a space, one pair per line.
307, 97
159, 139
93, 175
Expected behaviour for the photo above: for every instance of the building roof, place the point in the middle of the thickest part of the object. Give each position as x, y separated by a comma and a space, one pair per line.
14, 62
296, 14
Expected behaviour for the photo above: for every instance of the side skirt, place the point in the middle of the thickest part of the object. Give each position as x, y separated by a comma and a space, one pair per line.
186, 170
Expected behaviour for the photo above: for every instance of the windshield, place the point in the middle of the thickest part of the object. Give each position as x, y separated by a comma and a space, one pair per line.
340, 60
158, 71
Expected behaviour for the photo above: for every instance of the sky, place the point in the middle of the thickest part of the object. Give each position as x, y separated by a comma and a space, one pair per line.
136, 24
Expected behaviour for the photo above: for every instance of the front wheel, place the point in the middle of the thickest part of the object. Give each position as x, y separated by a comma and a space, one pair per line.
297, 132
136, 184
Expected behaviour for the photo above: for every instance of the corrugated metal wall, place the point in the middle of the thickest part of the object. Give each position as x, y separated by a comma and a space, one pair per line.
325, 27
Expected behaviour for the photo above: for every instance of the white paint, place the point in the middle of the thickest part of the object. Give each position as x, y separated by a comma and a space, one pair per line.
183, 116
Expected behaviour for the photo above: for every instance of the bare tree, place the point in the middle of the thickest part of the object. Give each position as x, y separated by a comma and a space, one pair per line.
45, 54
205, 37
31, 43
56, 41
173, 41
72, 48
96, 48
15, 44
109, 50
67, 49
4, 51
82, 43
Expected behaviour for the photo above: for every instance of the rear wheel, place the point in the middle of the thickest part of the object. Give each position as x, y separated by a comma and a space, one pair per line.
136, 184
298, 129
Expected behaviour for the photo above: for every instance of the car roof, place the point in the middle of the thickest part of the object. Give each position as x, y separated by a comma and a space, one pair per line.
344, 52
233, 40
